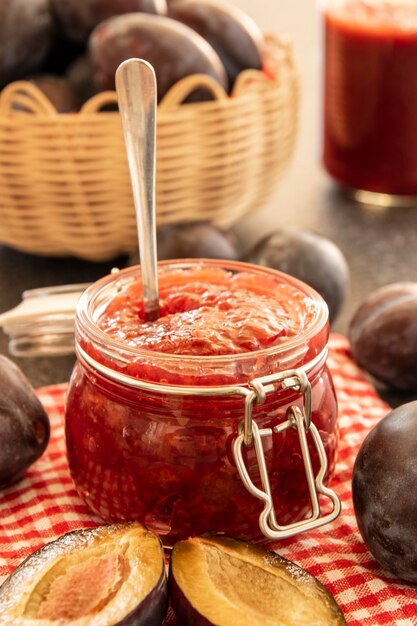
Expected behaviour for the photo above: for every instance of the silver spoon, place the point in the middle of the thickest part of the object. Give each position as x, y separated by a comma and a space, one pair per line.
136, 93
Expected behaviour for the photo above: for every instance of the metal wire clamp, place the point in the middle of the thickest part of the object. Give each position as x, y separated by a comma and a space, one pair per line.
299, 420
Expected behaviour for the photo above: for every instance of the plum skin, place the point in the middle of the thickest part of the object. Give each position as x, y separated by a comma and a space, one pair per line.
78, 18
383, 335
192, 611
309, 257
58, 90
196, 240
384, 492
26, 31
24, 424
150, 610
173, 49
193, 240
236, 38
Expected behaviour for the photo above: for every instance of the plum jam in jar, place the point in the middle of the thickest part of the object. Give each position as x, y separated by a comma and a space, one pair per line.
220, 416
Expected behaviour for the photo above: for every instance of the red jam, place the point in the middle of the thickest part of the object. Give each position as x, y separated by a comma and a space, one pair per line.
370, 95
164, 459
210, 312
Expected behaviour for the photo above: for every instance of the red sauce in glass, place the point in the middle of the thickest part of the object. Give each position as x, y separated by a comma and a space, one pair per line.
370, 96
210, 313
167, 460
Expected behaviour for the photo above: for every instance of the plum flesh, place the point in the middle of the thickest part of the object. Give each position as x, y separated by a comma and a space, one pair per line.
384, 492
107, 576
221, 581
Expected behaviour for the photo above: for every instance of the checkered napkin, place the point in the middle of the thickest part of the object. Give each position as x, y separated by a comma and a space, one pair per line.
45, 505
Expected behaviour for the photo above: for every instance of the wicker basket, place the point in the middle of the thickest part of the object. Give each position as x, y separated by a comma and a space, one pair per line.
64, 181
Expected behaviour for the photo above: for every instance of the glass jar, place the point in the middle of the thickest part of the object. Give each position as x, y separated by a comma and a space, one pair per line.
370, 98
188, 444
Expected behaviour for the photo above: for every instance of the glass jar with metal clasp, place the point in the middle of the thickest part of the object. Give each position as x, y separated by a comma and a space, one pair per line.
242, 444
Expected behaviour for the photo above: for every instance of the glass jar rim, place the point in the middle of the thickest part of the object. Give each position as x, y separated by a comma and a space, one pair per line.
88, 301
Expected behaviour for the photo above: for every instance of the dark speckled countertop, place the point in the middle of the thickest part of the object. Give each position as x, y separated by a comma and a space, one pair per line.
380, 245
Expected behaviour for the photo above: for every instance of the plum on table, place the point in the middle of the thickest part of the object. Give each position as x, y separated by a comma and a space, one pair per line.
220, 581
384, 492
196, 240
309, 257
383, 335
193, 240
24, 424
174, 50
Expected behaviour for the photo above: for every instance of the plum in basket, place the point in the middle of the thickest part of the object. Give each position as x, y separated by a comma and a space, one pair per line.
78, 18
59, 92
111, 575
26, 30
309, 257
224, 582
383, 335
174, 50
384, 492
24, 424
233, 34
80, 76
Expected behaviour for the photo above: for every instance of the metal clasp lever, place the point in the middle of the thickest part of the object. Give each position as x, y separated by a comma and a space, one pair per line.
299, 420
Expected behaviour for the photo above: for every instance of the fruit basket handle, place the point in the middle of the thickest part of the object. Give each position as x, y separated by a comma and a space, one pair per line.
186, 86
98, 101
27, 97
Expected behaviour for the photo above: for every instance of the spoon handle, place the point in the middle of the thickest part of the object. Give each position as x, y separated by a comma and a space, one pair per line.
136, 92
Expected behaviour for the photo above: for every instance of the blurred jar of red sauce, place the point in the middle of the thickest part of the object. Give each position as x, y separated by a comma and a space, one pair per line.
370, 98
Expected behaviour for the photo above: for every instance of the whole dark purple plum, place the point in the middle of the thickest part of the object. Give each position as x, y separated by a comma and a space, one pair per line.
174, 50
383, 335
384, 492
24, 424
233, 34
26, 31
309, 257
78, 18
193, 240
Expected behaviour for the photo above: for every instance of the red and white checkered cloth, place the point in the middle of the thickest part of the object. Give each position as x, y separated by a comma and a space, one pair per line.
45, 505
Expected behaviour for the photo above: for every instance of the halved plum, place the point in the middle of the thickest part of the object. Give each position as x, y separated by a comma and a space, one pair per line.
107, 576
220, 581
